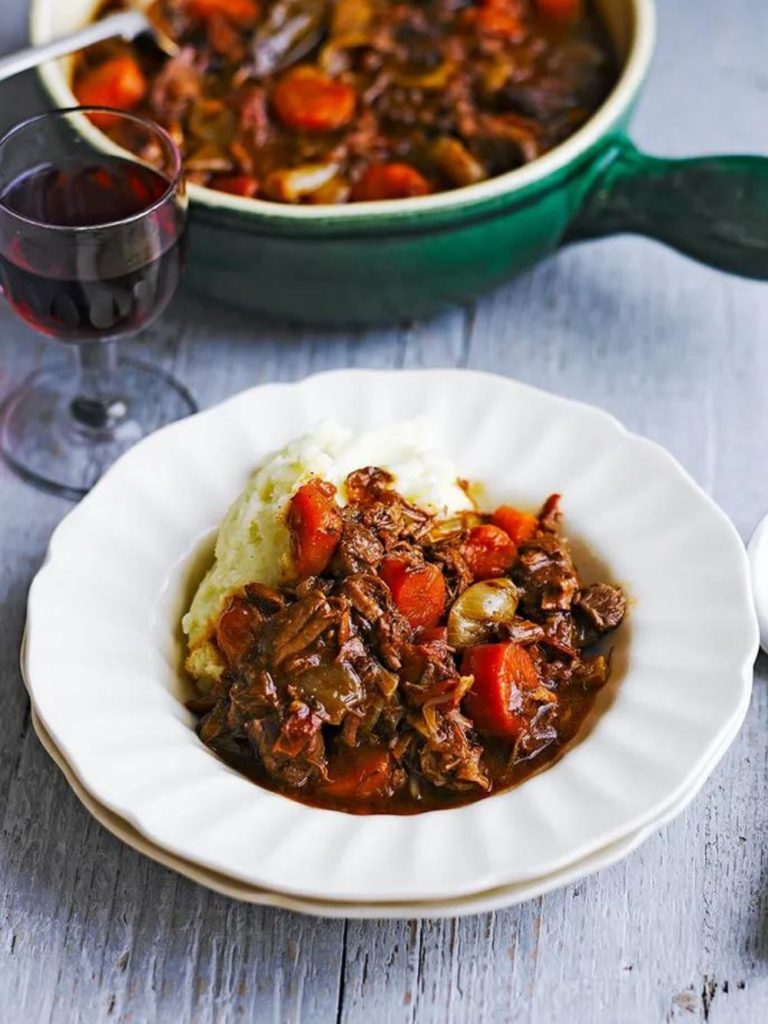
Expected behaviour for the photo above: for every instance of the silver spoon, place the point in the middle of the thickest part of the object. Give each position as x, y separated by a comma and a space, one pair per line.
291, 30
127, 24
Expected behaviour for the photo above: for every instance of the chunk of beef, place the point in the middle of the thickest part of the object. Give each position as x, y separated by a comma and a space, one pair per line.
266, 599
382, 511
559, 633
296, 628
252, 696
543, 99
546, 574
376, 614
541, 732
272, 738
426, 663
448, 554
450, 757
359, 550
603, 605
369, 595
367, 485
550, 516
178, 84
253, 115
299, 734
374, 676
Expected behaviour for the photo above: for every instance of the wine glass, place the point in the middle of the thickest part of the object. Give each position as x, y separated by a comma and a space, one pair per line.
91, 250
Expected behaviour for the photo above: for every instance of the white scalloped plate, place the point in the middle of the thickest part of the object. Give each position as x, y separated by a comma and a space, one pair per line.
103, 652
494, 899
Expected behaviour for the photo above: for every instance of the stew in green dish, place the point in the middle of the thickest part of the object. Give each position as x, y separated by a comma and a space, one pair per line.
336, 101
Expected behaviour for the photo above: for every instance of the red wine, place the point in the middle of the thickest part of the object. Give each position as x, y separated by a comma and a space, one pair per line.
92, 252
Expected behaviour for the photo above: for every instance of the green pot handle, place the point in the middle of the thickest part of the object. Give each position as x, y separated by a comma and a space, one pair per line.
714, 209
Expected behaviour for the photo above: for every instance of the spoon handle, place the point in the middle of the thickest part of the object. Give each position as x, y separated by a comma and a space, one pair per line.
127, 24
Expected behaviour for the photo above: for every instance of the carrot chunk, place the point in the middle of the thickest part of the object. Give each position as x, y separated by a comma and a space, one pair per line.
488, 551
501, 672
119, 82
236, 184
495, 21
520, 526
309, 100
390, 181
315, 524
241, 12
363, 774
418, 591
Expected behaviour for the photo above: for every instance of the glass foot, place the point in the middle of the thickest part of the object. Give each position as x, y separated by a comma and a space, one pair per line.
51, 440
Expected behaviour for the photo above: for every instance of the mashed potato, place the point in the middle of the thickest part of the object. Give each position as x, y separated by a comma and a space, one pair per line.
253, 542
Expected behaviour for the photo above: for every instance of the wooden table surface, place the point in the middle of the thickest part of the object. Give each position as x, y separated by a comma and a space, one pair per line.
91, 931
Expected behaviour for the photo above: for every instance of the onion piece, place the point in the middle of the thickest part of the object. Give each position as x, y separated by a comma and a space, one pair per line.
479, 610
210, 159
290, 185
432, 81
330, 689
542, 695
456, 162
446, 529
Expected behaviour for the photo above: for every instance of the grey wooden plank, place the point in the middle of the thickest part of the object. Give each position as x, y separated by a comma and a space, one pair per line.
104, 933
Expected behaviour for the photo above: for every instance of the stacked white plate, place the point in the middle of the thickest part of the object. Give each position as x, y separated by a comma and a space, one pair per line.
103, 653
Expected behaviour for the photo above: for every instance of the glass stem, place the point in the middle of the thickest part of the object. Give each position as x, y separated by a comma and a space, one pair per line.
97, 406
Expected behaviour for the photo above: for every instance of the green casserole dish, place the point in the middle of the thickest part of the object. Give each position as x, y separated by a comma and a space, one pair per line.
393, 260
